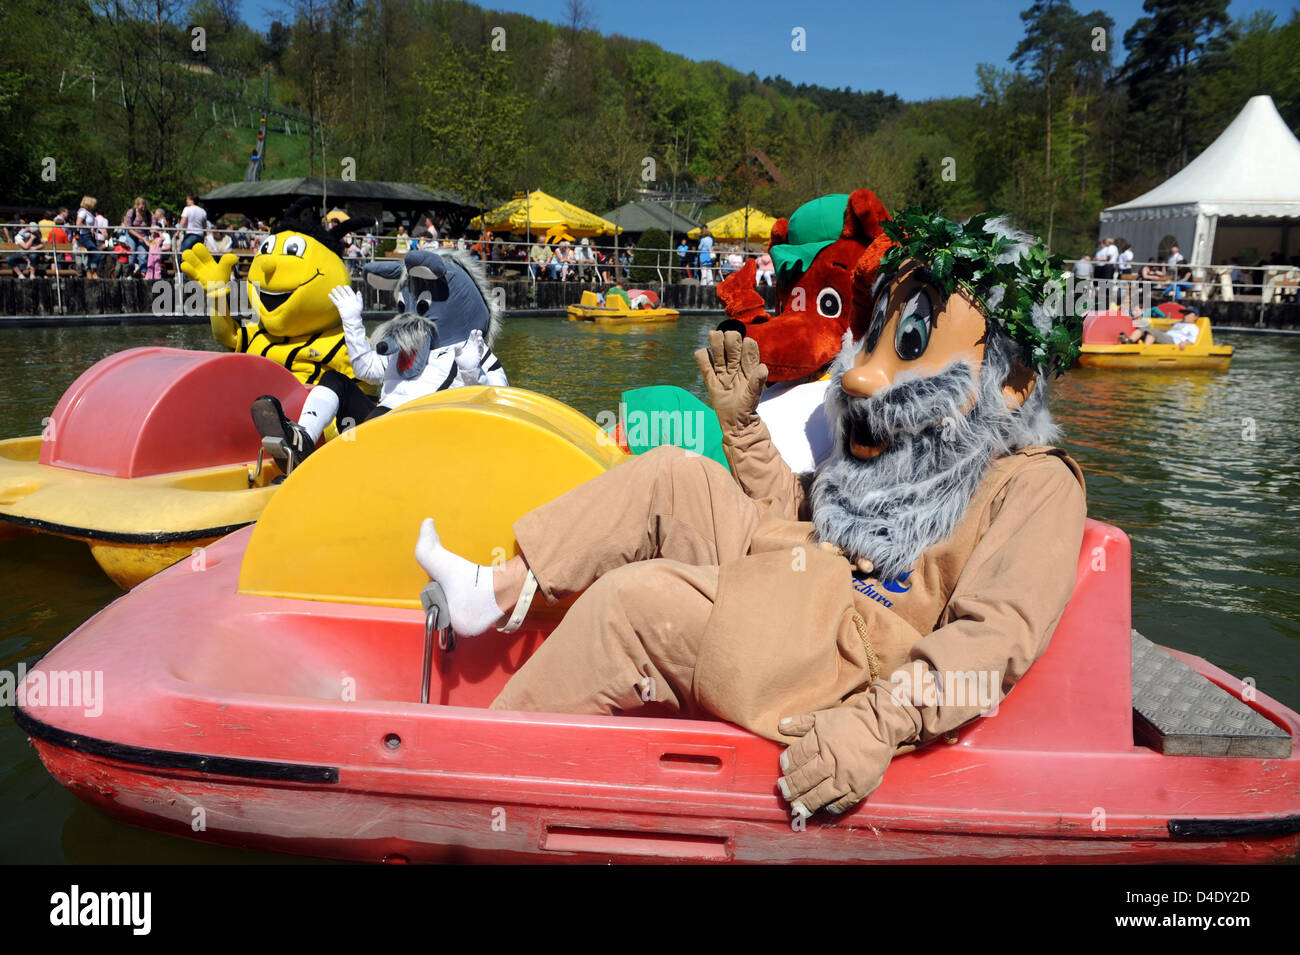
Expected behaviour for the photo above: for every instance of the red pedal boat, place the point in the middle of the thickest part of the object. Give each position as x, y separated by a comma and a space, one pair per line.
150, 454
271, 700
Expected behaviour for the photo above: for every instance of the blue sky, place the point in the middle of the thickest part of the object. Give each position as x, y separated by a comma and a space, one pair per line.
919, 49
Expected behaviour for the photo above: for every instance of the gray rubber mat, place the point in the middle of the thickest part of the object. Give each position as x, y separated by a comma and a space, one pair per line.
1181, 713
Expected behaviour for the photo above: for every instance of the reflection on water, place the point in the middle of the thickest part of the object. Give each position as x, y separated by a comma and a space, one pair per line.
1200, 468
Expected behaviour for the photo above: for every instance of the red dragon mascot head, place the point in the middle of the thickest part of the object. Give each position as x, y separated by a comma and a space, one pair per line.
815, 254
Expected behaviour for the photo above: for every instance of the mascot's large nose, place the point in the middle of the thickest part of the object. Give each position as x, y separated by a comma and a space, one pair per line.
863, 381
733, 325
268, 269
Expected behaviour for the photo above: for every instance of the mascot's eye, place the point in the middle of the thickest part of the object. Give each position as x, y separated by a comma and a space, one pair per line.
828, 303
878, 319
913, 335
422, 303
267, 246
295, 245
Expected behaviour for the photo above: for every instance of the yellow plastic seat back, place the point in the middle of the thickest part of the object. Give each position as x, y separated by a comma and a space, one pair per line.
343, 526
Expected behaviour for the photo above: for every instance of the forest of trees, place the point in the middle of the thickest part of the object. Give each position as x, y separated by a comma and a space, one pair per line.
129, 97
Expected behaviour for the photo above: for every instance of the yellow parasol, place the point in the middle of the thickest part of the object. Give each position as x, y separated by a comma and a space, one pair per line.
731, 227
336, 215
538, 212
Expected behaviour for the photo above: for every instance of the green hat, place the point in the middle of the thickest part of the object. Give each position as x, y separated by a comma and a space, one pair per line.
813, 226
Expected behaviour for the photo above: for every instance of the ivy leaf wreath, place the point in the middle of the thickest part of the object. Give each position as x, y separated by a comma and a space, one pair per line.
964, 255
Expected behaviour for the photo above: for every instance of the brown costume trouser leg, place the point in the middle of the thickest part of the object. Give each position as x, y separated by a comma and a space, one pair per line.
633, 636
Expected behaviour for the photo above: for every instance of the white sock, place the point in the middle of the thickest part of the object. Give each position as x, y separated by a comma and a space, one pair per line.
471, 598
318, 411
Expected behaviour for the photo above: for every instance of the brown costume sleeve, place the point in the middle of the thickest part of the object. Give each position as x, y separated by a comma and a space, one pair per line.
762, 473
1001, 615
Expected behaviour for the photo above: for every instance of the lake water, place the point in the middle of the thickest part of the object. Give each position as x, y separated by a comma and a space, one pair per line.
1202, 470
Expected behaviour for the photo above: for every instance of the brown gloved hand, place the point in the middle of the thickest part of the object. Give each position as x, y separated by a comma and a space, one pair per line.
735, 378
836, 761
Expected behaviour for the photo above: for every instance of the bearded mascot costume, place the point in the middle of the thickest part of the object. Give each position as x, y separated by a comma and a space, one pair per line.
936, 547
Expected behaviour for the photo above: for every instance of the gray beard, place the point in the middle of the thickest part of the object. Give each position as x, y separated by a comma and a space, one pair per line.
911, 496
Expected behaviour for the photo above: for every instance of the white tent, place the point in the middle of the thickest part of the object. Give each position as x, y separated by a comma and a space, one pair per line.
1242, 192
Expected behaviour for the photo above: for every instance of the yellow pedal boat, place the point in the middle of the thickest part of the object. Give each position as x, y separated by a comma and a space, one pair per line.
148, 457
1101, 348
618, 309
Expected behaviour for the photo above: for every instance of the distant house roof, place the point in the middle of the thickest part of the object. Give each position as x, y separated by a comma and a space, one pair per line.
769, 167
269, 197
641, 216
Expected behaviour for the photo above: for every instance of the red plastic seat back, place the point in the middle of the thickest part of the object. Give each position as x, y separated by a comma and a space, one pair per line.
1103, 328
148, 411
1174, 310
1078, 694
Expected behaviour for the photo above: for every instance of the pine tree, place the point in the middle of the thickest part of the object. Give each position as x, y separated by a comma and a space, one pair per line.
1177, 42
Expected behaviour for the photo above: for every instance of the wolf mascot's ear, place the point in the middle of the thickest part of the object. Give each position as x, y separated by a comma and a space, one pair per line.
383, 274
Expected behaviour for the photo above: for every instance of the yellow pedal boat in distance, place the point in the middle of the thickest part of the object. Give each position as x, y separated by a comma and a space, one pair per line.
148, 456
1101, 348
618, 308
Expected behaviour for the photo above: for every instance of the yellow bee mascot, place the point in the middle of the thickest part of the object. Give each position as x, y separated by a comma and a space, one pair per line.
289, 282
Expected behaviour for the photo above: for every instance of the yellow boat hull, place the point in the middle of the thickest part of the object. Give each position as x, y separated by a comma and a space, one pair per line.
135, 527
1203, 354
1147, 357
616, 316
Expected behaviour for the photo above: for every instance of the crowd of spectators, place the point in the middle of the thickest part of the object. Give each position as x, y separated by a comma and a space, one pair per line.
85, 243
147, 244
1171, 276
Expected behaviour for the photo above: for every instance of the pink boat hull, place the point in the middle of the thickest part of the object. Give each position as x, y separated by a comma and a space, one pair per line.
294, 726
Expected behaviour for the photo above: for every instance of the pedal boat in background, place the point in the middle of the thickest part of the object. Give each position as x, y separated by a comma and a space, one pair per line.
1101, 348
149, 454
618, 310
278, 688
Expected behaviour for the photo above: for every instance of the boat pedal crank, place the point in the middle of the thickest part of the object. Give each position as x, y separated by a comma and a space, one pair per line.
437, 629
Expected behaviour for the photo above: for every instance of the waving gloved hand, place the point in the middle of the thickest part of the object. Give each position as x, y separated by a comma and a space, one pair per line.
468, 356
735, 378
348, 301
836, 761
471, 351
213, 275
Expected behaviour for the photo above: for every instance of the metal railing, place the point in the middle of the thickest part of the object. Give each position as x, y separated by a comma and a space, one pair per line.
499, 255
1269, 284
594, 263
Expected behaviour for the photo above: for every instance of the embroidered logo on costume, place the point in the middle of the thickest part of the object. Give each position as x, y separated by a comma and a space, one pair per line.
895, 586
312, 353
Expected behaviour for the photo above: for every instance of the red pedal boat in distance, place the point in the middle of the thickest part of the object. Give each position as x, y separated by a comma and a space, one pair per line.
290, 721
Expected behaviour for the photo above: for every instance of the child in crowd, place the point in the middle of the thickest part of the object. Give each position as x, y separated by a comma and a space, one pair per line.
122, 256
153, 264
